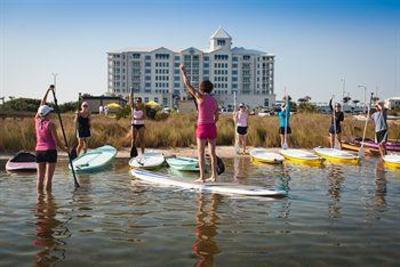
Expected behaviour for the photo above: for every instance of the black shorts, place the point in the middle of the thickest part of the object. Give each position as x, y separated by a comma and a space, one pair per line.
138, 126
84, 133
381, 136
48, 156
282, 130
241, 130
332, 130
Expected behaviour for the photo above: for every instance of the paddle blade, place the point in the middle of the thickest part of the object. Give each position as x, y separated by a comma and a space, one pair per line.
220, 166
74, 153
134, 152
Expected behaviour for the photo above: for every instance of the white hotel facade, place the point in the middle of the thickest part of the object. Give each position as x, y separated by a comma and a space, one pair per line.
154, 73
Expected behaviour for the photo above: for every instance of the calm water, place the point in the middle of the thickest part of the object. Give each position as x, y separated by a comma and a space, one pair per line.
334, 216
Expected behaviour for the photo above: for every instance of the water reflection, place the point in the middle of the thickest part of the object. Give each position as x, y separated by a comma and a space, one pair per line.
206, 229
50, 232
240, 168
380, 186
335, 182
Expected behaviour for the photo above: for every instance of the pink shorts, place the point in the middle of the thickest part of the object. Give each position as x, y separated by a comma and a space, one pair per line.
206, 131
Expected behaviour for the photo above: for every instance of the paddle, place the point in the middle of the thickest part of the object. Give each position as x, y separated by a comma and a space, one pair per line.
237, 147
134, 152
74, 152
65, 137
285, 144
361, 152
220, 162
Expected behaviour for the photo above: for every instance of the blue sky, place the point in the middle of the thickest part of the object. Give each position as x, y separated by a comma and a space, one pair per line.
316, 43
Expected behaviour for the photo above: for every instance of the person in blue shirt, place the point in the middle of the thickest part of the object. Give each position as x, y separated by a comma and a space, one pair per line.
284, 116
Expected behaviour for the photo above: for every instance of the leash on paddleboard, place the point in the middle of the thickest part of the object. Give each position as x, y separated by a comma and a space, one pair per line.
65, 138
361, 152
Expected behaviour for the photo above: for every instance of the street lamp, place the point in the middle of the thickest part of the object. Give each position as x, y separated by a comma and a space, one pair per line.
365, 95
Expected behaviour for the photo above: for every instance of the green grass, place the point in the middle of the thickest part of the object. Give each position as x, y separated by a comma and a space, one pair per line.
308, 131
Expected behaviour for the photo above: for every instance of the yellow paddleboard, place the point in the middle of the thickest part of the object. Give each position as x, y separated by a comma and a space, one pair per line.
265, 156
337, 155
301, 156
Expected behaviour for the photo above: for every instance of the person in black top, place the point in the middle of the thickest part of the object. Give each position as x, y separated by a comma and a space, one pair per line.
83, 122
336, 124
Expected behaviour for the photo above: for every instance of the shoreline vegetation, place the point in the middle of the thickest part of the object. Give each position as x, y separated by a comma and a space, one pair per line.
309, 130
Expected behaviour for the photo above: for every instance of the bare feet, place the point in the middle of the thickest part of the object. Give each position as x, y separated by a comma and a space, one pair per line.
211, 179
200, 180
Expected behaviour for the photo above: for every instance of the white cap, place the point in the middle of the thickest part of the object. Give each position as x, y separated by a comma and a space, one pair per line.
44, 110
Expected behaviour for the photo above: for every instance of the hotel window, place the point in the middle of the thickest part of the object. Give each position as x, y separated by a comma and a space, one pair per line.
235, 59
206, 58
246, 57
234, 79
234, 85
147, 85
148, 64
177, 65
206, 78
147, 71
177, 85
266, 102
177, 58
146, 99
221, 42
206, 65
147, 57
206, 72
234, 72
162, 56
136, 56
156, 99
148, 78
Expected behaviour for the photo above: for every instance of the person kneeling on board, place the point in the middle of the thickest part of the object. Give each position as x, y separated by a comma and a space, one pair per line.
381, 127
241, 118
137, 124
336, 124
83, 120
206, 124
46, 144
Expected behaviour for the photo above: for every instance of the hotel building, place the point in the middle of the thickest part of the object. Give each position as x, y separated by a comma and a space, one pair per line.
154, 73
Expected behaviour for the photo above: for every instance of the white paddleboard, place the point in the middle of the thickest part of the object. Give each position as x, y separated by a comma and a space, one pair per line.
263, 155
95, 159
300, 155
337, 155
148, 160
219, 188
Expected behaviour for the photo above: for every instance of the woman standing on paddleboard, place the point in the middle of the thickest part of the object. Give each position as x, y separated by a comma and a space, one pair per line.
284, 116
241, 118
46, 144
206, 124
336, 124
83, 120
137, 124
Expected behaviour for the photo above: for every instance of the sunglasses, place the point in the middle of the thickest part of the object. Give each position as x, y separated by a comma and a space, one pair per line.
85, 106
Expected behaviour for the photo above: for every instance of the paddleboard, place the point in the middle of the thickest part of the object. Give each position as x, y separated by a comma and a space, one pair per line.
148, 160
219, 188
392, 160
337, 155
183, 163
301, 156
22, 161
265, 156
95, 159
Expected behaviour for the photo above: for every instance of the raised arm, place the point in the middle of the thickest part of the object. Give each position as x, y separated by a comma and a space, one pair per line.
186, 81
44, 99
330, 104
131, 102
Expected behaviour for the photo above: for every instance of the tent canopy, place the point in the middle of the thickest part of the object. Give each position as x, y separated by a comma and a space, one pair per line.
152, 104
114, 106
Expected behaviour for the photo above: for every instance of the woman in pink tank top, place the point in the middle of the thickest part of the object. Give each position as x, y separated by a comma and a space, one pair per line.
46, 143
137, 124
206, 131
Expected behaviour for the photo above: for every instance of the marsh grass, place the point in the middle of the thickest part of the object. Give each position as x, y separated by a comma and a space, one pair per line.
308, 130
